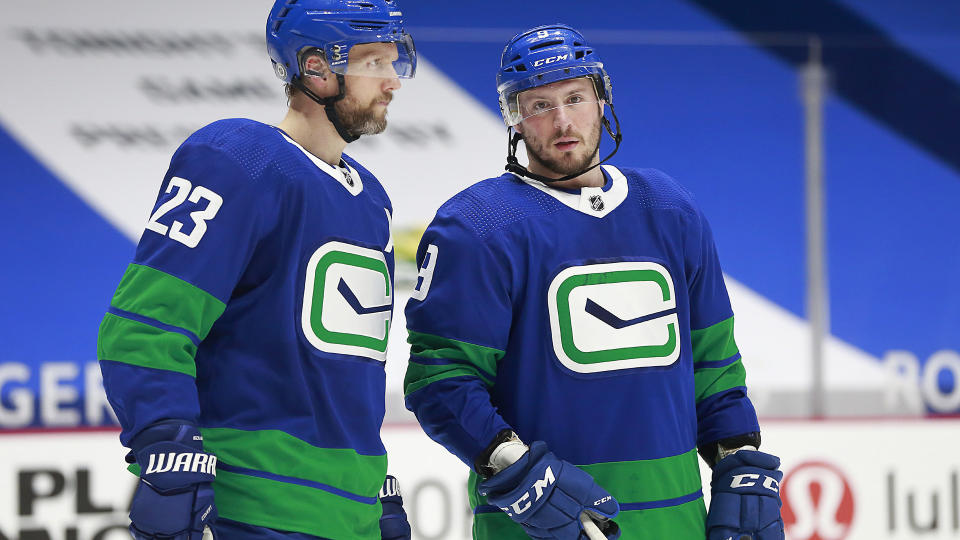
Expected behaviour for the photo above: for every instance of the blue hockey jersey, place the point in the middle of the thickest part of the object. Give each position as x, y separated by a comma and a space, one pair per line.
596, 320
257, 306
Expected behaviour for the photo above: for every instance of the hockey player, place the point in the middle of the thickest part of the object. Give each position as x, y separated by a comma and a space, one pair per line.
244, 349
571, 335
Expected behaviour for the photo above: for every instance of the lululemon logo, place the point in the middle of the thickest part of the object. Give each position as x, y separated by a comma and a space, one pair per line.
818, 503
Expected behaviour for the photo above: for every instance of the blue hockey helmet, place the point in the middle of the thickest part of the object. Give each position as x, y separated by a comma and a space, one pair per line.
334, 26
544, 55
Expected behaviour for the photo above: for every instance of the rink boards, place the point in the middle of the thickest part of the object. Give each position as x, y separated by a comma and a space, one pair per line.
854, 480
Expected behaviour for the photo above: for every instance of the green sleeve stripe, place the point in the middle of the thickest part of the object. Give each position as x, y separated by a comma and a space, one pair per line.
138, 344
465, 359
640, 481
430, 346
277, 452
420, 375
151, 293
708, 382
685, 521
291, 507
714, 343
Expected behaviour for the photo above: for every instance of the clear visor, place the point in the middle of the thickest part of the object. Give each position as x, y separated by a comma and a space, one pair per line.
547, 100
393, 56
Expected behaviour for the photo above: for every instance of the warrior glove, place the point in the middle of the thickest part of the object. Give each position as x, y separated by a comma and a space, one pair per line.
393, 521
174, 500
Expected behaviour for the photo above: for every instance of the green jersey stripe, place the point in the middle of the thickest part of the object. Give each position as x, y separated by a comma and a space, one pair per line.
139, 344
650, 479
168, 299
291, 507
276, 452
640, 481
466, 358
708, 382
420, 375
685, 521
714, 343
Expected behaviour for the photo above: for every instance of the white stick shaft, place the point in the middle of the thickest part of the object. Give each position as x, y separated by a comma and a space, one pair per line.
589, 527
207, 534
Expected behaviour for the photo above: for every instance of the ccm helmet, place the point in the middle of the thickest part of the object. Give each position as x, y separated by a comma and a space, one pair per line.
333, 27
544, 55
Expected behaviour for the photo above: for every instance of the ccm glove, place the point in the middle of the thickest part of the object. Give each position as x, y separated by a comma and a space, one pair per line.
745, 498
393, 521
546, 496
174, 500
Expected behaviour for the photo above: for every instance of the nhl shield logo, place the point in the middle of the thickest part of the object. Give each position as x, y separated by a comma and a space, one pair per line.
596, 202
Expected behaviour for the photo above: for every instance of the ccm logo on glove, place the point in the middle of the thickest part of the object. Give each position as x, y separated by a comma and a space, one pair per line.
749, 480
538, 487
185, 462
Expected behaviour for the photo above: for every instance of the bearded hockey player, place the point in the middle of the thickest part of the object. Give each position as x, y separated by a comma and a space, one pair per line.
571, 335
244, 349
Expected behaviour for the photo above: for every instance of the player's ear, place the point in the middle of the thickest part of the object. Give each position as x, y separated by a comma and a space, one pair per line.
314, 65
316, 74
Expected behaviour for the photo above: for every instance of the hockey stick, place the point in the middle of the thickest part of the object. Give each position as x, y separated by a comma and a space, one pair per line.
589, 527
207, 534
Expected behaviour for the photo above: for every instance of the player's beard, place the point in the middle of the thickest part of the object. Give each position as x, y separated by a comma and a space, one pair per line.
568, 162
360, 120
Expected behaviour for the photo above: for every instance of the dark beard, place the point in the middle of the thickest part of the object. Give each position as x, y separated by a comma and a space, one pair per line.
358, 120
563, 168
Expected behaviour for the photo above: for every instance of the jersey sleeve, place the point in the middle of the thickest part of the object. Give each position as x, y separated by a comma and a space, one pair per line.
199, 237
723, 408
459, 321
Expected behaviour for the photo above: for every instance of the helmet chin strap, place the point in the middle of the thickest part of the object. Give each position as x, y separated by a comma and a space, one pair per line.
328, 105
514, 166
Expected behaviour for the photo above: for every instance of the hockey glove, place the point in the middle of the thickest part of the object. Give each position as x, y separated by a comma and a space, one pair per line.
393, 521
745, 500
546, 496
174, 500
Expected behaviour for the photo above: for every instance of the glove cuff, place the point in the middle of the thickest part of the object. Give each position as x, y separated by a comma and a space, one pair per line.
176, 431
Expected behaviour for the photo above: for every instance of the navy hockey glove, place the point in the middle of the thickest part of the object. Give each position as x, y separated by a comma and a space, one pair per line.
546, 496
174, 500
745, 500
393, 521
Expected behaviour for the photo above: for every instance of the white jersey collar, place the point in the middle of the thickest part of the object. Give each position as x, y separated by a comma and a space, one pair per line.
354, 187
592, 201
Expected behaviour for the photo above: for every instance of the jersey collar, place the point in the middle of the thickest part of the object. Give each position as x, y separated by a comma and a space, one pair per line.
592, 201
354, 187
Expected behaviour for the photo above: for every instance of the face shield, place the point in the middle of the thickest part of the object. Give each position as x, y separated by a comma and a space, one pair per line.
386, 56
516, 104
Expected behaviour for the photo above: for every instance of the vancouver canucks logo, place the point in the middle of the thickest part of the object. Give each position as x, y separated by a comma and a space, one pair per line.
611, 316
348, 300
